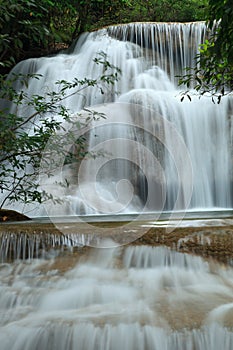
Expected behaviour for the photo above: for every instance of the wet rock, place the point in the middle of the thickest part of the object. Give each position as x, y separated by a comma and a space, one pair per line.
12, 215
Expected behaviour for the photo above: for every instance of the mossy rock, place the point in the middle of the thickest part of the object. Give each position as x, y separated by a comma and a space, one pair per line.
12, 215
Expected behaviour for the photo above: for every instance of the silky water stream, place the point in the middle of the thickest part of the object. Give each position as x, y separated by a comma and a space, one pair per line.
130, 297
171, 155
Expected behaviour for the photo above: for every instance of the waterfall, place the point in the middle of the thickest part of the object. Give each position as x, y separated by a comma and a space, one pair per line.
160, 154
140, 298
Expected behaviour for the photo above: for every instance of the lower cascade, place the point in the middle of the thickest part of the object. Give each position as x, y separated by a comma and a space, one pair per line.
158, 153
133, 298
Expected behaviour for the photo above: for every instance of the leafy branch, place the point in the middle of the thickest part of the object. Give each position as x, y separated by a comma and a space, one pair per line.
23, 139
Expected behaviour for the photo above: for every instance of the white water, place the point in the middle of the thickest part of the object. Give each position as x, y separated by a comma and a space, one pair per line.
139, 298
191, 142
136, 298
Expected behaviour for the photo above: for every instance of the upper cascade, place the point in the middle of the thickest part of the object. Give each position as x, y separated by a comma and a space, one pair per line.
191, 142
171, 46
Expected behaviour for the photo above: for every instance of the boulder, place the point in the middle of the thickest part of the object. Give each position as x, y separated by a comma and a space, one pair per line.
12, 215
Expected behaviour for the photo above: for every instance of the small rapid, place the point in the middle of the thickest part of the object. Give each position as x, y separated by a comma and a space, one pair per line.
136, 297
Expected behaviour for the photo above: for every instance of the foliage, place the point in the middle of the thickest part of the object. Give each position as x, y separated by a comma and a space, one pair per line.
214, 70
31, 28
23, 138
92, 14
164, 11
61, 19
21, 27
143, 11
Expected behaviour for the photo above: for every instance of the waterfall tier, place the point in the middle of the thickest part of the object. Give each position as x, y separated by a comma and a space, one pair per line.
160, 154
140, 298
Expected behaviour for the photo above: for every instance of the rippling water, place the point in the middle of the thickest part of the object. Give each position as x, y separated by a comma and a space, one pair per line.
131, 298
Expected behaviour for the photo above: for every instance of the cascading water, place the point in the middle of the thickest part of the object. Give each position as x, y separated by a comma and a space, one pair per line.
135, 297
131, 298
150, 57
